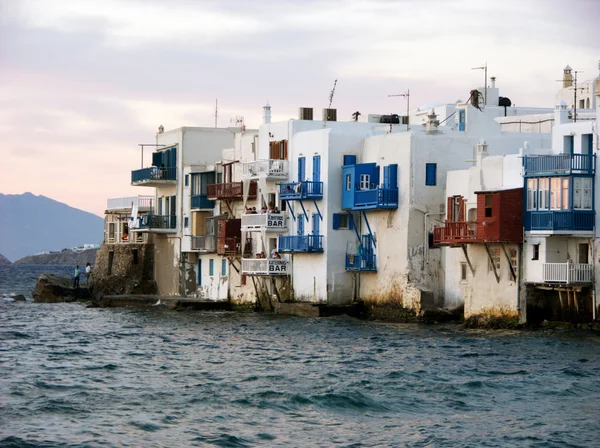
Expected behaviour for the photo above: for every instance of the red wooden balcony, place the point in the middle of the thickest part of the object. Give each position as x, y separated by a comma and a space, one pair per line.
231, 190
455, 232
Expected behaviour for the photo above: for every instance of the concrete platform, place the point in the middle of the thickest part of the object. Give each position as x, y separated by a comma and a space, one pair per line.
318, 310
119, 301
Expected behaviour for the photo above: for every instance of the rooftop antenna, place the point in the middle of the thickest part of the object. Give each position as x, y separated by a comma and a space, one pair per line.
484, 68
407, 96
216, 111
575, 88
331, 94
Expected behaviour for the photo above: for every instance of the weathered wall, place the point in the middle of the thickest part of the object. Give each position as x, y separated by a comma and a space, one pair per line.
167, 265
129, 273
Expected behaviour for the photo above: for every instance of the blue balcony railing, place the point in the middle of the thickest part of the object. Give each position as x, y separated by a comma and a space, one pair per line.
301, 190
158, 221
559, 164
376, 198
202, 201
154, 174
300, 243
362, 262
559, 220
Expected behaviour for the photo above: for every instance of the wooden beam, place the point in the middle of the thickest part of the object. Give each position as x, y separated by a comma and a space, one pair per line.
487, 249
464, 248
512, 271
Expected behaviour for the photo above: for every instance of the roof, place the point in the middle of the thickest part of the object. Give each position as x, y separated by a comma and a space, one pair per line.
498, 190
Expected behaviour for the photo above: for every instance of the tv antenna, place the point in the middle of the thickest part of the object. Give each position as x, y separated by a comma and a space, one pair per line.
484, 68
216, 111
331, 94
575, 88
407, 96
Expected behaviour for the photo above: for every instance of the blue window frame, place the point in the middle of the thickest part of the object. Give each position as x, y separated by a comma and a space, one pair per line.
223, 267
461, 120
199, 280
316, 169
186, 222
211, 267
301, 225
431, 174
301, 169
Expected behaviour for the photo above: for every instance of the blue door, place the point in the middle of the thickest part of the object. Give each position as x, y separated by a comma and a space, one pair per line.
301, 169
199, 281
315, 224
300, 225
316, 168
461, 120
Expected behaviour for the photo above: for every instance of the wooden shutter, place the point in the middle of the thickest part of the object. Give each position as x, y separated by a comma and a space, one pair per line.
461, 209
450, 208
274, 150
285, 150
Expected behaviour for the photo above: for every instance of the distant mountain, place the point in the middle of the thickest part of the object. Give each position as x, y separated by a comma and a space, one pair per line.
69, 257
4, 260
30, 224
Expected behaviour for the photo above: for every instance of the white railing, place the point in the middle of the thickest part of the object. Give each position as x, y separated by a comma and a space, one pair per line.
567, 273
265, 266
265, 221
268, 168
207, 243
142, 202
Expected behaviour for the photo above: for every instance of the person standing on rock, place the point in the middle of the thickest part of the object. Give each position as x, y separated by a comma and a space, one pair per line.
88, 272
76, 277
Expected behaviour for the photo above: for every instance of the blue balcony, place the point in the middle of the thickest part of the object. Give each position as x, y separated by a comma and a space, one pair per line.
300, 243
560, 220
363, 262
154, 176
384, 198
292, 191
202, 201
560, 164
157, 222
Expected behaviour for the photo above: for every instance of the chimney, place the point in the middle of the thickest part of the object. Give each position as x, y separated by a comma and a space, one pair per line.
493, 79
305, 113
329, 114
482, 151
432, 121
267, 113
561, 114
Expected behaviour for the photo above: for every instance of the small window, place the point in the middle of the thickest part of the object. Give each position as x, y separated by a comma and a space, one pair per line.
365, 180
343, 221
431, 174
536, 252
211, 267
348, 182
111, 231
495, 260
340, 221
187, 180
463, 272
223, 267
186, 222
488, 206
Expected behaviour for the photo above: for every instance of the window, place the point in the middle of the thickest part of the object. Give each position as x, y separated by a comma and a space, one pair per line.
568, 144
582, 193
186, 222
488, 206
135, 256
365, 180
430, 174
348, 182
211, 267
582, 104
463, 272
495, 259
187, 180
583, 251
536, 252
543, 186
223, 267
341, 221
587, 143
559, 193
532, 194
111, 231
512, 255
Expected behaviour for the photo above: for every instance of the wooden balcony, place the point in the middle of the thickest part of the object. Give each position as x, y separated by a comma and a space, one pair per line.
455, 233
231, 190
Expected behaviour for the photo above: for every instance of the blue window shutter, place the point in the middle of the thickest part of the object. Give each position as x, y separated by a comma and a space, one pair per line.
156, 158
199, 272
316, 168
336, 221
223, 267
430, 173
301, 169
393, 176
350, 222
315, 224
386, 177
349, 160
300, 224
211, 267
160, 207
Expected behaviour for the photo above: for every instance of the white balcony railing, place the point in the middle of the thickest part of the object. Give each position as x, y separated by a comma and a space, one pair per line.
206, 243
141, 201
274, 222
567, 273
266, 168
265, 266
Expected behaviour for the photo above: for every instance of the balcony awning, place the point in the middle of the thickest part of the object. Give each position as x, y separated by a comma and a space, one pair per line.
497, 190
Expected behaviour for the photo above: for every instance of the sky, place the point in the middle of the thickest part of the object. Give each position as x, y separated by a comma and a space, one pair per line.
82, 83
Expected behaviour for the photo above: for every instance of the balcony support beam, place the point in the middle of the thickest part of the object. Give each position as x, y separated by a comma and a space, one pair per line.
303, 210
512, 271
487, 249
318, 211
464, 249
369, 228
351, 217
289, 204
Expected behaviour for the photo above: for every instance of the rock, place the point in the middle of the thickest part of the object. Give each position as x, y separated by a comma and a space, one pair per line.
19, 298
53, 289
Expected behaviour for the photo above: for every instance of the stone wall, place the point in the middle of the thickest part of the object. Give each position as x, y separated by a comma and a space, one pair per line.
129, 270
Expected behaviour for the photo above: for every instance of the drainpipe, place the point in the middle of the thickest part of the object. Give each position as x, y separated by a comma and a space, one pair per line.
593, 277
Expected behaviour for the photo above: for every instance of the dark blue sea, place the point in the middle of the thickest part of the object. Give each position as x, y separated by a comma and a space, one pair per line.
85, 377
